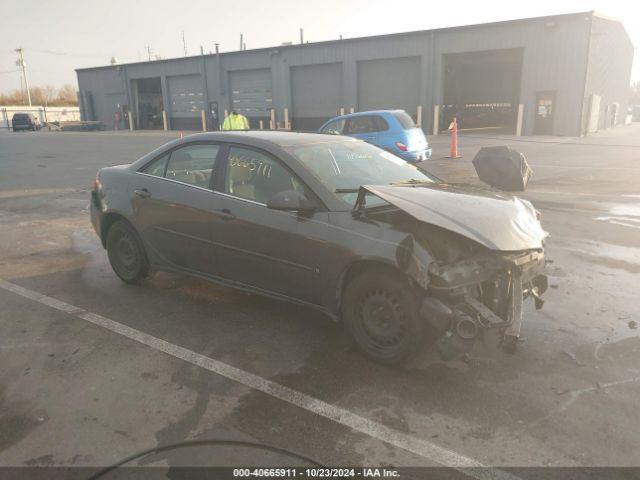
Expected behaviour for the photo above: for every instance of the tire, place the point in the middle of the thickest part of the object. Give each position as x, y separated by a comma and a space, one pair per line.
126, 253
380, 312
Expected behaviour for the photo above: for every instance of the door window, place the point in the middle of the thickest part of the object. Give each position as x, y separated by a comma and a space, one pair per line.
357, 125
336, 127
366, 124
157, 167
192, 164
255, 176
379, 124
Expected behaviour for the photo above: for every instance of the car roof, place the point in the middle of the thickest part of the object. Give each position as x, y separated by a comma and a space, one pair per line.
261, 137
368, 112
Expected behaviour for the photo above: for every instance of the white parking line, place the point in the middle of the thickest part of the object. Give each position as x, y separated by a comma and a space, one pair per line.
574, 194
340, 415
583, 167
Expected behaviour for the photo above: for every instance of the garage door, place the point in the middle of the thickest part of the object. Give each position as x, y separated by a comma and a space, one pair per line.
251, 94
389, 83
187, 100
316, 93
482, 90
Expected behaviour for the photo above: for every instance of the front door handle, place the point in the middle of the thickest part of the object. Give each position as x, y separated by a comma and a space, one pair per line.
226, 214
142, 192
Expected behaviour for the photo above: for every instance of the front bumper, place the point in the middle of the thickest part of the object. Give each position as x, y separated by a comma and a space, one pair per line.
482, 297
96, 213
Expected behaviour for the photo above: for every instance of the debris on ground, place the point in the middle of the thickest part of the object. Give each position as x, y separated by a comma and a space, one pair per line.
573, 357
560, 391
502, 168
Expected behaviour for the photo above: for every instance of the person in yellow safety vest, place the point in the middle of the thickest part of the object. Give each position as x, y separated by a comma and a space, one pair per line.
235, 121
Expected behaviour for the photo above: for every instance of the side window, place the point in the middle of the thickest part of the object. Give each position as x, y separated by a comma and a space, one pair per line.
192, 164
157, 167
362, 124
379, 124
336, 127
256, 176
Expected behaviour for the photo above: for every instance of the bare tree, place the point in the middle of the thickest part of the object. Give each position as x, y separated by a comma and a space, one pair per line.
50, 94
67, 95
46, 95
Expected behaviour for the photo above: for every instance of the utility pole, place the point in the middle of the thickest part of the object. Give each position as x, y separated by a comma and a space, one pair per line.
184, 43
149, 52
241, 41
21, 63
301, 36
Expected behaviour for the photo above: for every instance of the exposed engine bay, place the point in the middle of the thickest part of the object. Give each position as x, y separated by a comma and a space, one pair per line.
476, 270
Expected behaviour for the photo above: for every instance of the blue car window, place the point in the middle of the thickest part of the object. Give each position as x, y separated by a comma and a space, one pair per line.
362, 124
336, 127
405, 120
379, 124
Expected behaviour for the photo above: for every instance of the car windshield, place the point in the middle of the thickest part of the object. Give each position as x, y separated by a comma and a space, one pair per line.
344, 166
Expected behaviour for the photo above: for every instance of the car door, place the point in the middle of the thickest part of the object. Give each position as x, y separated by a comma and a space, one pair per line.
275, 251
174, 206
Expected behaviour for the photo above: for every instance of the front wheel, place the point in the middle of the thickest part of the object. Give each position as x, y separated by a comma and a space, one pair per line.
380, 311
126, 253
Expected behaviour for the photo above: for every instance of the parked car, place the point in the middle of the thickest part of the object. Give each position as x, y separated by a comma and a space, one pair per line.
332, 223
391, 130
25, 121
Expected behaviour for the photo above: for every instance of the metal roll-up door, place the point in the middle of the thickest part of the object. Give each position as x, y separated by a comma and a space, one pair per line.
251, 94
186, 100
389, 84
316, 92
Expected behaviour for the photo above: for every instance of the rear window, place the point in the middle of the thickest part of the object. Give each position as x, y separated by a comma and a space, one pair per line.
405, 120
21, 117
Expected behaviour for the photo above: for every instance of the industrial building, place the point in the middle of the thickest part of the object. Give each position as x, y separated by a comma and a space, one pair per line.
556, 75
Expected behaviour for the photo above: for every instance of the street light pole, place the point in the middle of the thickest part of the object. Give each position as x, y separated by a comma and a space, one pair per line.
21, 63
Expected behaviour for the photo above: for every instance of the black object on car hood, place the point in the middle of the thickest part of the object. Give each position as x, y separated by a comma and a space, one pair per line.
497, 220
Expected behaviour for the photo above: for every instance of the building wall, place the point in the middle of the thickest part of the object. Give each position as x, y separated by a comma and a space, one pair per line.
555, 53
609, 72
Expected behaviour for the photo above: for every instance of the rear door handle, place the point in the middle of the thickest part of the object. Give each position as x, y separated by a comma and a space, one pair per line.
226, 214
142, 192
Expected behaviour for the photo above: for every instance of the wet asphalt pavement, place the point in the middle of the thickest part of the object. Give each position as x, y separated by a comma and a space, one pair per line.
72, 393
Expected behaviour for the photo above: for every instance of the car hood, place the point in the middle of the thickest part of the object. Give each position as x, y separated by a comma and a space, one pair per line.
497, 220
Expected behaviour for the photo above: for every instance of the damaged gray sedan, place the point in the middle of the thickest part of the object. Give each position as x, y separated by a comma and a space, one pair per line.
396, 255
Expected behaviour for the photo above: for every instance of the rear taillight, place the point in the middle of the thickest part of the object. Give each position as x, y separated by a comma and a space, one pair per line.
401, 146
96, 184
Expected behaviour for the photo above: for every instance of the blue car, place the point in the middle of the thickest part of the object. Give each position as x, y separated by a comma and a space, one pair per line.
392, 130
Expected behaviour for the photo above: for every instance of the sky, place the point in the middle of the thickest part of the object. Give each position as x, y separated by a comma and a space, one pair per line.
58, 37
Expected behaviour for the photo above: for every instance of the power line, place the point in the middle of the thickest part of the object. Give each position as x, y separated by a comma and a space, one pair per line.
71, 54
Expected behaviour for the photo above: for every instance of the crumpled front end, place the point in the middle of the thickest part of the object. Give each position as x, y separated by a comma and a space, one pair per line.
477, 253
481, 298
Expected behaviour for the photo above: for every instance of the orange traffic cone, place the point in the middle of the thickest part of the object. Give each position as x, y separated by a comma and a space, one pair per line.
454, 139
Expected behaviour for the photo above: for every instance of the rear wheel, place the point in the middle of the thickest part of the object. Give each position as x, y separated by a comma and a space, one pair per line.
126, 253
380, 311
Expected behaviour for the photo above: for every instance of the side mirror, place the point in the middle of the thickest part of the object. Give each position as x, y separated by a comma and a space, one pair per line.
291, 201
